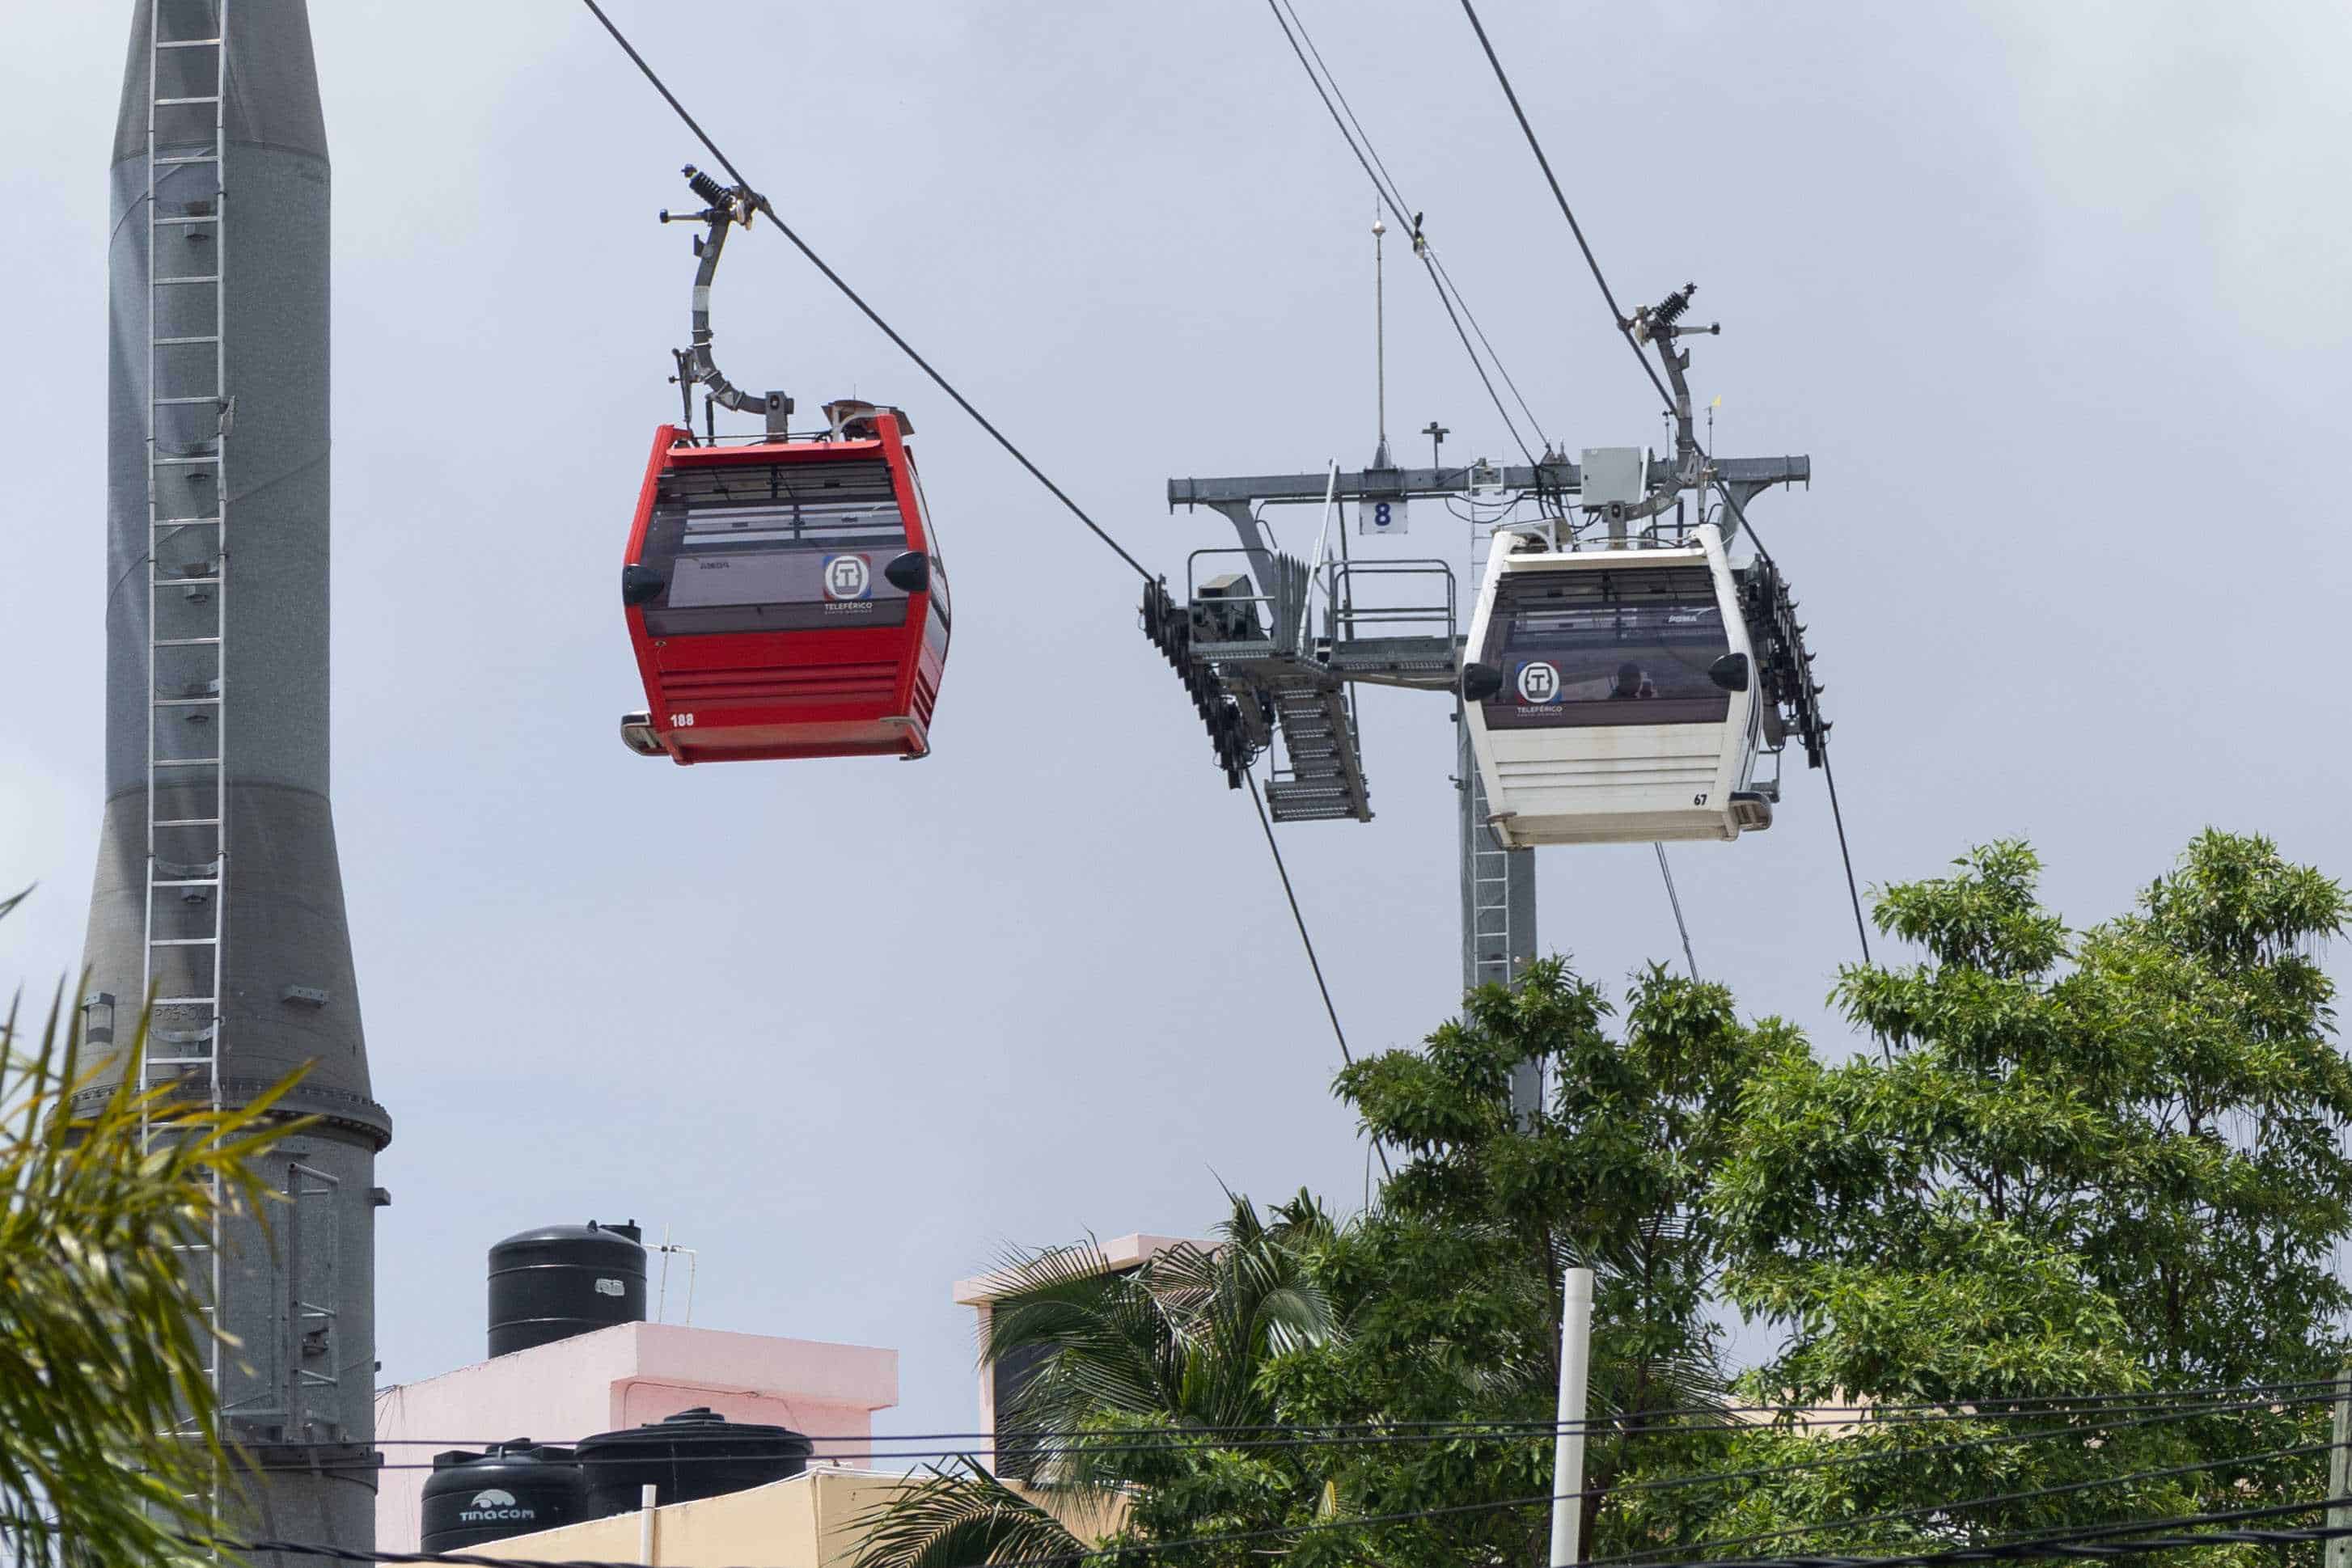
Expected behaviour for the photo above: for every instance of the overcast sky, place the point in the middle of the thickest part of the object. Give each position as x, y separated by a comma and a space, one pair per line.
2054, 295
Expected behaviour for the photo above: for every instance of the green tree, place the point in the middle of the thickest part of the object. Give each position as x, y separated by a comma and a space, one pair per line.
2083, 1173
110, 1450
2088, 1163
2141, 1128
1450, 1286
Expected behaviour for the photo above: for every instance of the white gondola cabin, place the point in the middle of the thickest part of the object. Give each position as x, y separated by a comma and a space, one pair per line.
1612, 694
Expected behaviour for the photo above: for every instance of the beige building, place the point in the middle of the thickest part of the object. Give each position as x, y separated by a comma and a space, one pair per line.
818, 1519
1121, 1255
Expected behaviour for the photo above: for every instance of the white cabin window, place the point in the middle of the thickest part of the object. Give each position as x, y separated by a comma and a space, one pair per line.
1617, 646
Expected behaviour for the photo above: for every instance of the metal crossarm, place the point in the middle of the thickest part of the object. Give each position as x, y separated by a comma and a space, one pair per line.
1377, 483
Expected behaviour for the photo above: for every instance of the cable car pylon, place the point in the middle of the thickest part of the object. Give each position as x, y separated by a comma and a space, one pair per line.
1616, 653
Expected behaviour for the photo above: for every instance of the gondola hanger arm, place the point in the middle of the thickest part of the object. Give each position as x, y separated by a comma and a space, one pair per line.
728, 206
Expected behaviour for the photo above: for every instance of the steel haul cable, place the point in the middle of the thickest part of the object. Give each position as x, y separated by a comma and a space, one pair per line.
1676, 900
1386, 189
1626, 328
1429, 256
1624, 323
1376, 169
1829, 774
961, 401
1274, 849
855, 299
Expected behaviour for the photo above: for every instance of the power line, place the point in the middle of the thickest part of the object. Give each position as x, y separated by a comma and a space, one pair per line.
1266, 826
1199, 1440
1217, 1440
2026, 1547
855, 299
2186, 1403
2047, 1544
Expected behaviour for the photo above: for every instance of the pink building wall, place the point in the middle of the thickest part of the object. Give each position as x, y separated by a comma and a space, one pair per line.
625, 1376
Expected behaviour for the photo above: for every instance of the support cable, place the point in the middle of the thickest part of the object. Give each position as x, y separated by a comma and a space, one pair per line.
764, 206
1624, 323
1395, 194
1675, 899
1267, 827
1852, 892
1388, 194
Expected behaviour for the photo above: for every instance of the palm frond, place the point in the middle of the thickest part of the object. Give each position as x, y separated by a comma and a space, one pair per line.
113, 1453
1101, 1347
951, 1518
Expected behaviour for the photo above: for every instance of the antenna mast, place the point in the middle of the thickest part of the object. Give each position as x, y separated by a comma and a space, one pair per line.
1380, 341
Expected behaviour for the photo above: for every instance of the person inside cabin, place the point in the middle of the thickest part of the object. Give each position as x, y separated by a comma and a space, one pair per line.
1632, 682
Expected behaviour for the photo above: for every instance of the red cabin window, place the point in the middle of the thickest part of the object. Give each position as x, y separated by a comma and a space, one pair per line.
777, 547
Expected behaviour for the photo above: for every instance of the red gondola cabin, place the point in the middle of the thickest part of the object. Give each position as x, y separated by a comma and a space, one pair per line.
785, 598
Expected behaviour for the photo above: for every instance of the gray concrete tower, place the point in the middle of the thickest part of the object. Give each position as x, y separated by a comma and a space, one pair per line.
218, 890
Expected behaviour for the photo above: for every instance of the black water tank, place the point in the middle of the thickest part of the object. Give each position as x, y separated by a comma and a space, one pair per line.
564, 1279
693, 1454
512, 1489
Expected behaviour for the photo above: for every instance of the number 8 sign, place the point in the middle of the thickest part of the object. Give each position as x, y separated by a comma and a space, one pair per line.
1380, 516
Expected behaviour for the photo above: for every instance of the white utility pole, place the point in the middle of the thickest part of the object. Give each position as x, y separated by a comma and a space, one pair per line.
1567, 1451
2338, 1550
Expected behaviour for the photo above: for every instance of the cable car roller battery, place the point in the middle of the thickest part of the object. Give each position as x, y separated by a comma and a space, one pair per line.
785, 595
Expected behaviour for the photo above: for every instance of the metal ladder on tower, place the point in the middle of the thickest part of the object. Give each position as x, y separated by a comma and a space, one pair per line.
1490, 955
1498, 928
1498, 885
189, 415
